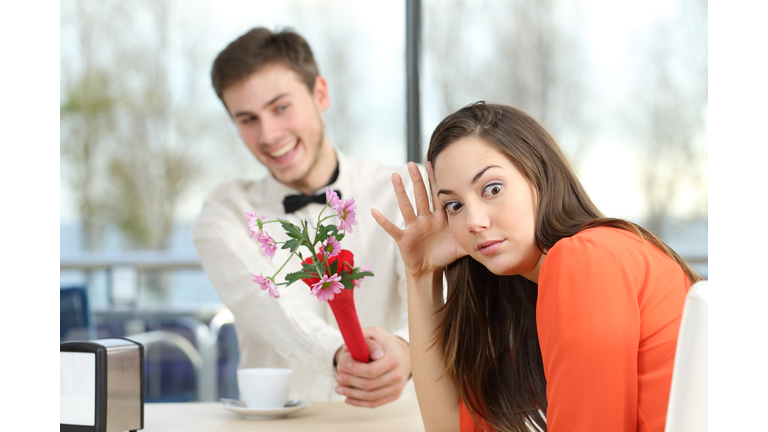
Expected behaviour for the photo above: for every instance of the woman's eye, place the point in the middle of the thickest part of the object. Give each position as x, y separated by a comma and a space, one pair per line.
282, 108
491, 190
452, 207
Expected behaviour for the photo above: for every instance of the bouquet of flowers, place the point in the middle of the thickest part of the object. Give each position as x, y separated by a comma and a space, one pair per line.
330, 272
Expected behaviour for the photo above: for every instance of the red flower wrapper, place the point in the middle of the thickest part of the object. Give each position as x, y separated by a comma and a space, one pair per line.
343, 307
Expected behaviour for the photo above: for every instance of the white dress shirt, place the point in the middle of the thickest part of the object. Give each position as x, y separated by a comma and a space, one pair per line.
297, 331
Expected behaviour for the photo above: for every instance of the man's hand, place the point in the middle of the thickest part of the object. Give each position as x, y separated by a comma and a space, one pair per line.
380, 381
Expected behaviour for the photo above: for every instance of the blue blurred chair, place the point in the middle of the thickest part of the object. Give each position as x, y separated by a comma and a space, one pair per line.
172, 367
75, 319
172, 373
229, 358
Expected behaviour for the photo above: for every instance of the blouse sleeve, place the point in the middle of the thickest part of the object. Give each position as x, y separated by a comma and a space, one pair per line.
588, 323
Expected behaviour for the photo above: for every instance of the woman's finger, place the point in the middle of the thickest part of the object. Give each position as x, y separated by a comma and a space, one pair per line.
402, 200
419, 189
391, 229
433, 185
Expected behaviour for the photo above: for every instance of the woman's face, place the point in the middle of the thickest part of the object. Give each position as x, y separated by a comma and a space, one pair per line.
490, 207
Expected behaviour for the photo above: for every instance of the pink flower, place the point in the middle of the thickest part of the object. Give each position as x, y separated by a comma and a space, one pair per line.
254, 223
327, 288
365, 268
332, 198
268, 243
330, 247
347, 214
266, 284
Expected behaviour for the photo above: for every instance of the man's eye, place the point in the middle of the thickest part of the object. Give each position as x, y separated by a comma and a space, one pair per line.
452, 207
282, 108
492, 190
246, 120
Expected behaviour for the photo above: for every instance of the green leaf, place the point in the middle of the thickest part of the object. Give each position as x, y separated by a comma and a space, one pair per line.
291, 229
309, 267
292, 245
348, 278
347, 284
334, 266
358, 275
297, 276
326, 231
304, 232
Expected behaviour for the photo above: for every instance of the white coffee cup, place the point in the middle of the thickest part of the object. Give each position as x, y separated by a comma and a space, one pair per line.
264, 387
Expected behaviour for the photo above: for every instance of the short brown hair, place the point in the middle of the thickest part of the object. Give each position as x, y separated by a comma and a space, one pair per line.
258, 48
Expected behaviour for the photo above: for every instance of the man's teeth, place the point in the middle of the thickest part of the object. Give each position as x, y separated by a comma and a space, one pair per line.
283, 150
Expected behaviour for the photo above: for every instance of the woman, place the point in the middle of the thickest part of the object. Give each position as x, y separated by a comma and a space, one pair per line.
553, 311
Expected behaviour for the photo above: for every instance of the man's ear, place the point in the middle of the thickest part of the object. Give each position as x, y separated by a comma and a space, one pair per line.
320, 93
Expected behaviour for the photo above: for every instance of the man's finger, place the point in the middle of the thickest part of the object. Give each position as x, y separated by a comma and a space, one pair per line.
375, 351
373, 369
371, 404
392, 377
370, 395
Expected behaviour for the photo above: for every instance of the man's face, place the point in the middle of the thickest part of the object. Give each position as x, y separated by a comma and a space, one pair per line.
280, 121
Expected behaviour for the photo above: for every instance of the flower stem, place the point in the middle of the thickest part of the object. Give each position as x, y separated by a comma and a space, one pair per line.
317, 228
283, 266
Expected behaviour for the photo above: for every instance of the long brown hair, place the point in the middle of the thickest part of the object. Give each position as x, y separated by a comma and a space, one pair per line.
485, 312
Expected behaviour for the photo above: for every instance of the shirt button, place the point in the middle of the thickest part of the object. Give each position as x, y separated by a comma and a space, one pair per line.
288, 354
324, 366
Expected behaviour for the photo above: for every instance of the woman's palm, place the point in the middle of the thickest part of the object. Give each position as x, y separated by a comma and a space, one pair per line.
426, 244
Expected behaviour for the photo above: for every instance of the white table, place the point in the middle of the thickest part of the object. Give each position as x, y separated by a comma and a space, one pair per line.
399, 416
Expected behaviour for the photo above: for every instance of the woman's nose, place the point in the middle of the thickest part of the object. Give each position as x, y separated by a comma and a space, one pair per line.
477, 219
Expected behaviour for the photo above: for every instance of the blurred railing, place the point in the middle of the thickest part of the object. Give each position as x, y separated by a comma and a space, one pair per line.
124, 272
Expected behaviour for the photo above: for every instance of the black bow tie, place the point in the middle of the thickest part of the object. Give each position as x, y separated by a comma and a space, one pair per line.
291, 203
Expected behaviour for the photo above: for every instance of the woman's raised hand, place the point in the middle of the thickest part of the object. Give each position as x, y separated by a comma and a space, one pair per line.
426, 244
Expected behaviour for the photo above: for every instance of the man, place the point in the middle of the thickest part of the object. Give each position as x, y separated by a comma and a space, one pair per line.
270, 85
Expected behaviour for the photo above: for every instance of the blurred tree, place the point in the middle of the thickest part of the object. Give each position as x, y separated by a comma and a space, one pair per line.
131, 126
521, 53
335, 53
457, 72
87, 116
668, 115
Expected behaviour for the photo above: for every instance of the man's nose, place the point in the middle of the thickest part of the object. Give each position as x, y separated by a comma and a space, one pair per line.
271, 131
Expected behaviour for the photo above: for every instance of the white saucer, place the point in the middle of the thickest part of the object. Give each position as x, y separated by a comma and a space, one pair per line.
265, 413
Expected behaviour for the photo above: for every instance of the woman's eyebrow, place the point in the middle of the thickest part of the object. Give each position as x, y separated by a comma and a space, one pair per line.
474, 180
482, 171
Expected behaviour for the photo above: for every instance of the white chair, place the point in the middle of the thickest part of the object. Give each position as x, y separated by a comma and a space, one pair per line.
687, 409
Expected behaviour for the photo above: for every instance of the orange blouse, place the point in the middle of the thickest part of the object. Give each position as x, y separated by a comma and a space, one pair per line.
608, 316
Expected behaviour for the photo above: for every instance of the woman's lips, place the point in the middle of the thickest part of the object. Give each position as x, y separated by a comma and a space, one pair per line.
489, 247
